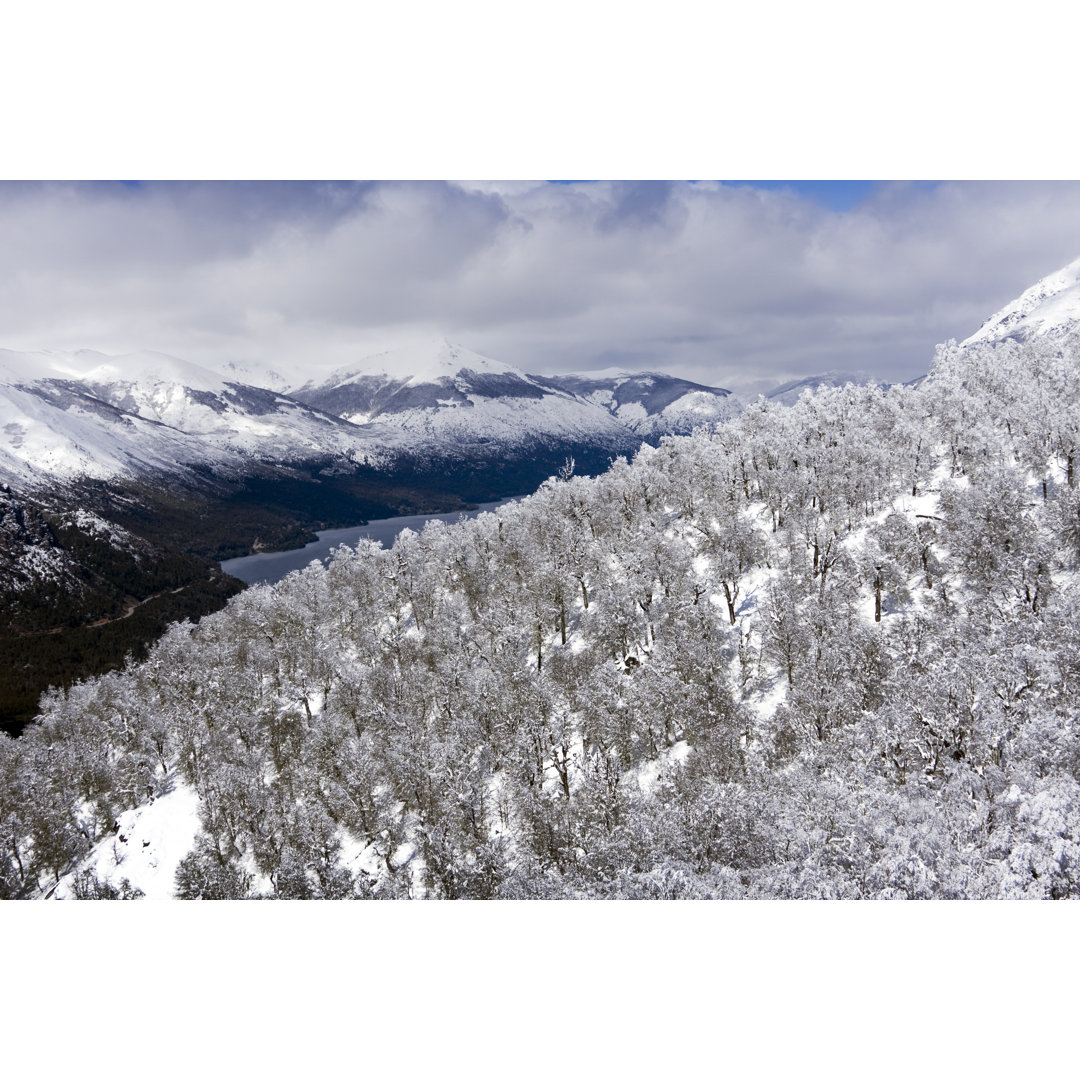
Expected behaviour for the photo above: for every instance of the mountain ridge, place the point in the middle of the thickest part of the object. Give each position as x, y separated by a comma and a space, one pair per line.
84, 412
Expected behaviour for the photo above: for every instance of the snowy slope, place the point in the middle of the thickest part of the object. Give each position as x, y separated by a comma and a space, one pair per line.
57, 430
1050, 305
146, 846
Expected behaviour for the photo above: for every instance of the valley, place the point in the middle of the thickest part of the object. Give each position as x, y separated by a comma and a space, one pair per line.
821, 647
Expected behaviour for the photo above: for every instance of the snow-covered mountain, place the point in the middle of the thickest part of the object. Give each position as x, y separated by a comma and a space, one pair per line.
1050, 306
86, 414
649, 403
452, 397
66, 415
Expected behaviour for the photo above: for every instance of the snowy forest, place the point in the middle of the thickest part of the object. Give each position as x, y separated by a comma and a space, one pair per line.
829, 650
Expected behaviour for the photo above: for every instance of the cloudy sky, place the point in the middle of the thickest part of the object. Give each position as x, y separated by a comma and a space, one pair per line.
743, 285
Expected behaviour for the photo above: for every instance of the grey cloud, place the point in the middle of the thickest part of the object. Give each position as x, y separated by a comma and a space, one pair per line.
639, 203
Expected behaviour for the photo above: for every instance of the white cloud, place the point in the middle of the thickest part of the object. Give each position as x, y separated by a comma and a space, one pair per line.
733, 286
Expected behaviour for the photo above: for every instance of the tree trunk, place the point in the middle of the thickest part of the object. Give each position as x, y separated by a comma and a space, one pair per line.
730, 603
564, 772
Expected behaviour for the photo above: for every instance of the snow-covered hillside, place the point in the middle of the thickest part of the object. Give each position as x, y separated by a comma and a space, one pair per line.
57, 430
825, 651
1050, 306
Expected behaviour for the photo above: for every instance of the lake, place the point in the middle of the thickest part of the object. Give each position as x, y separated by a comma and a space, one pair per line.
270, 566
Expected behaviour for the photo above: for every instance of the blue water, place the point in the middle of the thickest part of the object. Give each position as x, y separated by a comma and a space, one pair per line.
270, 566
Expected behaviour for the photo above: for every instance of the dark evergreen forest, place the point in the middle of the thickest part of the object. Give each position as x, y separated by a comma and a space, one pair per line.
831, 650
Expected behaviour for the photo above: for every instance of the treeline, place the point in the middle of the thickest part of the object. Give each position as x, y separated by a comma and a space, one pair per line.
831, 650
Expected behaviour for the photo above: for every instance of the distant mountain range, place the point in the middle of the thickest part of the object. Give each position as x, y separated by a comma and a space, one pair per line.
649, 403
445, 400
82, 415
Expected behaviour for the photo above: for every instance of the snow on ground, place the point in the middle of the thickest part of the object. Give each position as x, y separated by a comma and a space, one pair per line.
632, 412
147, 846
94, 525
35, 566
766, 702
647, 775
